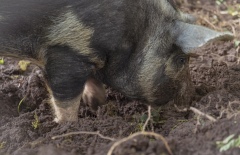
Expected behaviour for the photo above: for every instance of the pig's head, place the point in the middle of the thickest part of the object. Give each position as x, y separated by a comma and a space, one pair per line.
168, 39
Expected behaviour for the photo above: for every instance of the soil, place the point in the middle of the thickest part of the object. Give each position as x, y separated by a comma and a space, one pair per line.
26, 121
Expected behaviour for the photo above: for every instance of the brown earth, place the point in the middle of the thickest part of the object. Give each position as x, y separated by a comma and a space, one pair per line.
215, 74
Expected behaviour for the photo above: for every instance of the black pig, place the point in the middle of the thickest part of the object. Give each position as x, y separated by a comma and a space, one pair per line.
139, 47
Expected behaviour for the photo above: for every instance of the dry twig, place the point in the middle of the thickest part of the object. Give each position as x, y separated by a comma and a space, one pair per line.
206, 9
148, 119
117, 143
84, 132
157, 136
210, 24
143, 132
196, 111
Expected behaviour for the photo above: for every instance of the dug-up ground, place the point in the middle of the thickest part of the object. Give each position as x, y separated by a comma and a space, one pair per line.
26, 126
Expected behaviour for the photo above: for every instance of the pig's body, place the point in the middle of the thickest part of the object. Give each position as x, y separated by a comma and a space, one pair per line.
130, 45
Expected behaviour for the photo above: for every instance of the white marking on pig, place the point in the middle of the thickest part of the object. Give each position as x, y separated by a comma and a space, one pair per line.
69, 30
68, 111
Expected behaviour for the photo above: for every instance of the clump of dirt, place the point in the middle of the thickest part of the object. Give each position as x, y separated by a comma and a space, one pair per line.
26, 121
17, 85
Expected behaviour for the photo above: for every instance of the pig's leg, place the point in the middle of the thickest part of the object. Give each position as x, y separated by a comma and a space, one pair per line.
66, 73
94, 93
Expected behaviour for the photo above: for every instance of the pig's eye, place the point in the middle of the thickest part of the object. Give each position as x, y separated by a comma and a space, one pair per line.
182, 60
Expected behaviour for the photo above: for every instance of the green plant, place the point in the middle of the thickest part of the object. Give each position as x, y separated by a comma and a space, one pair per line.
35, 123
219, 2
142, 118
2, 144
237, 43
233, 10
228, 143
23, 64
20, 103
1, 61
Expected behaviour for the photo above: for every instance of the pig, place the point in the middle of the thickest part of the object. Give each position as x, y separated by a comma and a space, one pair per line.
140, 48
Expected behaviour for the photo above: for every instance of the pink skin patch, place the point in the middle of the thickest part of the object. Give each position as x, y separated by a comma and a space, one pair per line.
94, 93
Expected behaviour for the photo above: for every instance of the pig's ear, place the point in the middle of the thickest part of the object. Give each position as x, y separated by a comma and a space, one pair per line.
189, 36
